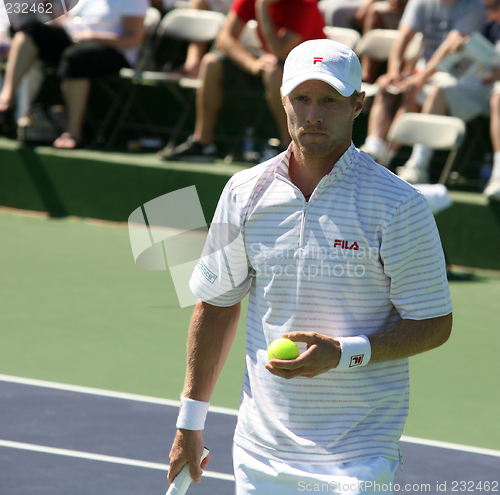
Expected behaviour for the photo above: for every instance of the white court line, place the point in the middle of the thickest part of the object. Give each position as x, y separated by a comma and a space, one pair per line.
222, 410
454, 446
106, 393
104, 458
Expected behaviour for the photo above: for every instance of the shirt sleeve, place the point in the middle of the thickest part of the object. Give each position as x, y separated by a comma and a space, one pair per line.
134, 8
244, 9
472, 19
414, 261
413, 15
223, 275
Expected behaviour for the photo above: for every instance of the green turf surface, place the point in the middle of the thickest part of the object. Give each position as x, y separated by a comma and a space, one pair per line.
75, 309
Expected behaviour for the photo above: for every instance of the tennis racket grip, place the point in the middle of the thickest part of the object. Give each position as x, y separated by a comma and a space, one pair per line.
182, 481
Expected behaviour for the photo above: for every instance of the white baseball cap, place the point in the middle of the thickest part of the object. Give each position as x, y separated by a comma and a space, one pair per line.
326, 60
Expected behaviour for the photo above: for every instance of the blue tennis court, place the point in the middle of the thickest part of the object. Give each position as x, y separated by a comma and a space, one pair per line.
58, 439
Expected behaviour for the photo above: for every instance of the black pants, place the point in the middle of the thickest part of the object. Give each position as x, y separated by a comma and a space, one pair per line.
85, 59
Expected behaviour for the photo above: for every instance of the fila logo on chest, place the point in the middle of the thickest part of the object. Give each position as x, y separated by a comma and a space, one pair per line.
343, 244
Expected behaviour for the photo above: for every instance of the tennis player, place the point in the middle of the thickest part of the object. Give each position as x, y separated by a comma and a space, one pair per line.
341, 256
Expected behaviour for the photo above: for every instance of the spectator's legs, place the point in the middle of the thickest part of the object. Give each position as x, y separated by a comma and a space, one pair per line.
272, 82
23, 53
382, 113
416, 169
495, 121
75, 93
209, 99
195, 53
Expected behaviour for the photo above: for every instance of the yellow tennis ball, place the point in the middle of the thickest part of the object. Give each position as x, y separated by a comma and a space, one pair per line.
282, 349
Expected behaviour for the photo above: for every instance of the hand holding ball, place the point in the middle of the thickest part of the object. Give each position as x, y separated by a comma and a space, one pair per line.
282, 349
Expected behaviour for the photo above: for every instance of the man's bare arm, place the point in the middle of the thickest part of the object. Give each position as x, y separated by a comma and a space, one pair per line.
403, 339
280, 43
211, 334
452, 43
228, 42
396, 61
410, 337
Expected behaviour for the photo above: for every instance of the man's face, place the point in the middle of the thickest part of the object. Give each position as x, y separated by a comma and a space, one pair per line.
320, 119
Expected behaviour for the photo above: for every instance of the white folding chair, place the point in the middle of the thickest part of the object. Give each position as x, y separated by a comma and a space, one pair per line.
377, 44
438, 132
191, 24
184, 24
347, 36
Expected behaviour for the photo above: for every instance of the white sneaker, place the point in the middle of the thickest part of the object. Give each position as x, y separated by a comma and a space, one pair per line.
413, 174
371, 151
492, 189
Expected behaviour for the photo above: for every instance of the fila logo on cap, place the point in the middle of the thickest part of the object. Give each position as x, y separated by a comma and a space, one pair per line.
332, 62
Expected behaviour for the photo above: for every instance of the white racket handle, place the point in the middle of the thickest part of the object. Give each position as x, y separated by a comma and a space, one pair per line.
182, 481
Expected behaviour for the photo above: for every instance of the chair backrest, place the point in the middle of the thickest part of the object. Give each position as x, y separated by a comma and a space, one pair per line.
191, 24
439, 132
377, 43
347, 36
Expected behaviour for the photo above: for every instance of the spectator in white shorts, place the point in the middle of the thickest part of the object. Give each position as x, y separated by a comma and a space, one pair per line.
400, 89
450, 96
339, 255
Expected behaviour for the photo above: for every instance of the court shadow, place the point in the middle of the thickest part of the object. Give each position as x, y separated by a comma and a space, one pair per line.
42, 182
461, 276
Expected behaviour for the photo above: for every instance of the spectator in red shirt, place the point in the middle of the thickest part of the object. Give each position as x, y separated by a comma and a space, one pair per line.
282, 25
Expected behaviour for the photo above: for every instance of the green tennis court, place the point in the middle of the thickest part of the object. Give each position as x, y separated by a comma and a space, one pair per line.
75, 309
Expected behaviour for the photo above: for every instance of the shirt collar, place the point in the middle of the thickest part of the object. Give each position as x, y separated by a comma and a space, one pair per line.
338, 170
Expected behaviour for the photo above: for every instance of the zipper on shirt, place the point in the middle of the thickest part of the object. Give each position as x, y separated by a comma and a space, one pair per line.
304, 210
303, 225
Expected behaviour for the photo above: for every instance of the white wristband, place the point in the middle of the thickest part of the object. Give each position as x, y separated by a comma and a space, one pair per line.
192, 414
356, 351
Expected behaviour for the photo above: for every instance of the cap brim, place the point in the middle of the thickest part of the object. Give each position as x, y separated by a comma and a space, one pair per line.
342, 88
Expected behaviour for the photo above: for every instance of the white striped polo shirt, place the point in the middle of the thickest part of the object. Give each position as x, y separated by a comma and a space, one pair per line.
362, 254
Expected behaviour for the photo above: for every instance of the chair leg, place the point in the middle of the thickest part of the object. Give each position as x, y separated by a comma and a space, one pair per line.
385, 154
447, 166
123, 115
117, 101
179, 126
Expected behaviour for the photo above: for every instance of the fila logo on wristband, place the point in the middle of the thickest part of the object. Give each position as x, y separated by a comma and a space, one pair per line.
355, 351
356, 360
